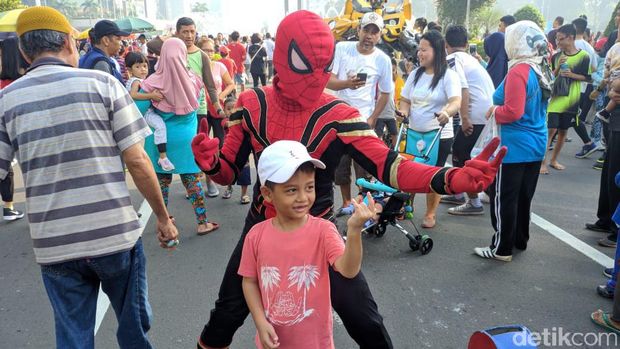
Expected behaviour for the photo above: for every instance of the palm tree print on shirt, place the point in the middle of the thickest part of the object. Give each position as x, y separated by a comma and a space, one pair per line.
270, 277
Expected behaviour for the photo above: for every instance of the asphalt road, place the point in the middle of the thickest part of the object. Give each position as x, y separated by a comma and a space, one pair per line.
432, 301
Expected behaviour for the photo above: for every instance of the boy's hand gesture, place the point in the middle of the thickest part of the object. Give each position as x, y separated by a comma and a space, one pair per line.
362, 213
268, 337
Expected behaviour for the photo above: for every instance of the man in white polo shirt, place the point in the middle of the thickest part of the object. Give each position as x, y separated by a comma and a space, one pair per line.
362, 77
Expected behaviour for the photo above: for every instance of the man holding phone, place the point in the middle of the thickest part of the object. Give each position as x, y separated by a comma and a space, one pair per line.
362, 77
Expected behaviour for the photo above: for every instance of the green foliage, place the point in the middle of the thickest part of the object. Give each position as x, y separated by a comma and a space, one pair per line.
612, 23
91, 8
530, 13
200, 7
484, 20
7, 5
68, 8
454, 11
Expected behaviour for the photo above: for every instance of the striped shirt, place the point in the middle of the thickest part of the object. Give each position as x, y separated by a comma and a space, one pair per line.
67, 127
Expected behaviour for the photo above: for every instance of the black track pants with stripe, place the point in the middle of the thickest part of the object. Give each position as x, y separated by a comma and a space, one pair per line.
511, 198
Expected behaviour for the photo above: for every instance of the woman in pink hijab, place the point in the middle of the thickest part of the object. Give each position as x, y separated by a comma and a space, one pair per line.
181, 90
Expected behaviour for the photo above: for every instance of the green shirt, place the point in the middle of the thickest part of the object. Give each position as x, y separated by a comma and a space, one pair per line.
579, 63
194, 60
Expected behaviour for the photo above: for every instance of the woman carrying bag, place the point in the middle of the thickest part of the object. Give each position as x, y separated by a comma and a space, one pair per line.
431, 97
258, 55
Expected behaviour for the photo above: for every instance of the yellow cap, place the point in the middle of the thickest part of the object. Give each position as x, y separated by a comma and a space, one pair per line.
42, 18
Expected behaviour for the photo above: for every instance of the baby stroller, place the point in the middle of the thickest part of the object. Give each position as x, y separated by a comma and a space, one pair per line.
396, 206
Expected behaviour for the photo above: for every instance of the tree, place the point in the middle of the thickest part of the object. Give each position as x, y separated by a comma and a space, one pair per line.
530, 13
612, 22
303, 276
453, 11
270, 277
200, 7
484, 21
8, 5
67, 7
90, 8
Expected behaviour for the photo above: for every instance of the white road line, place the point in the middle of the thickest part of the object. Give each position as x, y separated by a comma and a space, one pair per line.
573, 242
103, 302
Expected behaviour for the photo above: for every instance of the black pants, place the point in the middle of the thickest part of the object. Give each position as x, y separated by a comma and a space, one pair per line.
462, 146
351, 298
580, 120
215, 124
511, 199
262, 77
6, 187
609, 193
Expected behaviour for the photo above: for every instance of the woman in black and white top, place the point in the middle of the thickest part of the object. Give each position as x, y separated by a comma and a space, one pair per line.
431, 97
258, 55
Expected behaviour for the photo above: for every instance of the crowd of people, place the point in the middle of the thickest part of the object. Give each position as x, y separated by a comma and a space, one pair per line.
179, 105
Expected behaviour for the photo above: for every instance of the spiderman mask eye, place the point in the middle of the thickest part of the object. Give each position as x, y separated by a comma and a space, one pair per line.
297, 61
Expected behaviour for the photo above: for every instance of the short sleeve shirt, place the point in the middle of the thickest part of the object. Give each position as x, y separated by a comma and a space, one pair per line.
194, 60
478, 82
348, 62
425, 102
579, 63
293, 276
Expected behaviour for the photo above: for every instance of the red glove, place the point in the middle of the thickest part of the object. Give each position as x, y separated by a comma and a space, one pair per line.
205, 149
478, 173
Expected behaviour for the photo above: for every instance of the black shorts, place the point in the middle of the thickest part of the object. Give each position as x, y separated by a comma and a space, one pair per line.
462, 146
382, 123
561, 121
444, 150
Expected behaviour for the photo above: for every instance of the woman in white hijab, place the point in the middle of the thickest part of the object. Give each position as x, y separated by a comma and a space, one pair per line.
520, 107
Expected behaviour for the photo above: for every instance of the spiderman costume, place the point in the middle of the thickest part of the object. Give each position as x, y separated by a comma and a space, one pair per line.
295, 108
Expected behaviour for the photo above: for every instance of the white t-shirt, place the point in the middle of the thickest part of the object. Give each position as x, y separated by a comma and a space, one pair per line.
476, 79
348, 61
426, 102
269, 46
584, 45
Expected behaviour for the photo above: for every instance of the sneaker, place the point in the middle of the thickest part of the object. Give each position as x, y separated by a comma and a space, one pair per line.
165, 164
487, 252
597, 228
345, 211
605, 291
466, 209
227, 193
451, 199
597, 166
608, 272
587, 150
607, 242
212, 190
568, 139
600, 160
11, 215
603, 115
484, 198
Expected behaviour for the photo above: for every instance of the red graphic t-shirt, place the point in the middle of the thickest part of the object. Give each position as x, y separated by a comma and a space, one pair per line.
237, 54
292, 272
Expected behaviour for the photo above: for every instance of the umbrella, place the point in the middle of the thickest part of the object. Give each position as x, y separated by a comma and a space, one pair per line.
8, 20
134, 25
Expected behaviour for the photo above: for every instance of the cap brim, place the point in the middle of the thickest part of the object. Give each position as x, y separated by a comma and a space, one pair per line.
121, 33
380, 27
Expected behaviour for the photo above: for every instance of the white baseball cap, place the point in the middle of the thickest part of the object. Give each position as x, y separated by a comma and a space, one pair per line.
371, 18
279, 161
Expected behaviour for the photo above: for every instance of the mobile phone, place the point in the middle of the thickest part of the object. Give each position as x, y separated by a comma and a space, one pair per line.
362, 76
473, 48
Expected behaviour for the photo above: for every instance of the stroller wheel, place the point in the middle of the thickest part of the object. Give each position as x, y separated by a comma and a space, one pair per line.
380, 230
414, 245
427, 245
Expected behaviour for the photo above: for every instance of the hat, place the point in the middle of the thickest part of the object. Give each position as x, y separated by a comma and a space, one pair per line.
600, 44
107, 27
280, 160
224, 50
371, 18
42, 18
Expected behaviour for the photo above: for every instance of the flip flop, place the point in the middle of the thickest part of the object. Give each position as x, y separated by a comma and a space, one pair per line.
214, 227
606, 322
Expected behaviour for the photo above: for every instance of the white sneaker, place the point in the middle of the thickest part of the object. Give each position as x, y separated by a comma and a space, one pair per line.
466, 209
165, 164
487, 252
484, 198
212, 190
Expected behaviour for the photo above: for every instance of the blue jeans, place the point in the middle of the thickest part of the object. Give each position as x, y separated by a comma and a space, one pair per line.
72, 288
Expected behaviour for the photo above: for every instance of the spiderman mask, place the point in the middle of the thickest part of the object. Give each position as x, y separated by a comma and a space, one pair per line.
303, 57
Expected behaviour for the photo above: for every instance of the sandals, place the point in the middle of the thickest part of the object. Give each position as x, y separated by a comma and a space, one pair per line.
602, 319
245, 199
428, 222
214, 227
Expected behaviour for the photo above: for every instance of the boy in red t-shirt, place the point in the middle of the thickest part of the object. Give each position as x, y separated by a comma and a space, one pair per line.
238, 54
285, 260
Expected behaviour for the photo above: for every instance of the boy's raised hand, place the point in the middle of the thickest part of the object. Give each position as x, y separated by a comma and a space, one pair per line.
362, 212
268, 337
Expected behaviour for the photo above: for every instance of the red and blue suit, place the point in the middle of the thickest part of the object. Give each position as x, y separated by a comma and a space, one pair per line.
296, 108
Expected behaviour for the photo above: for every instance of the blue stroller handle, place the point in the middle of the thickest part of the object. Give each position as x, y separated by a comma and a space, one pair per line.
378, 186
